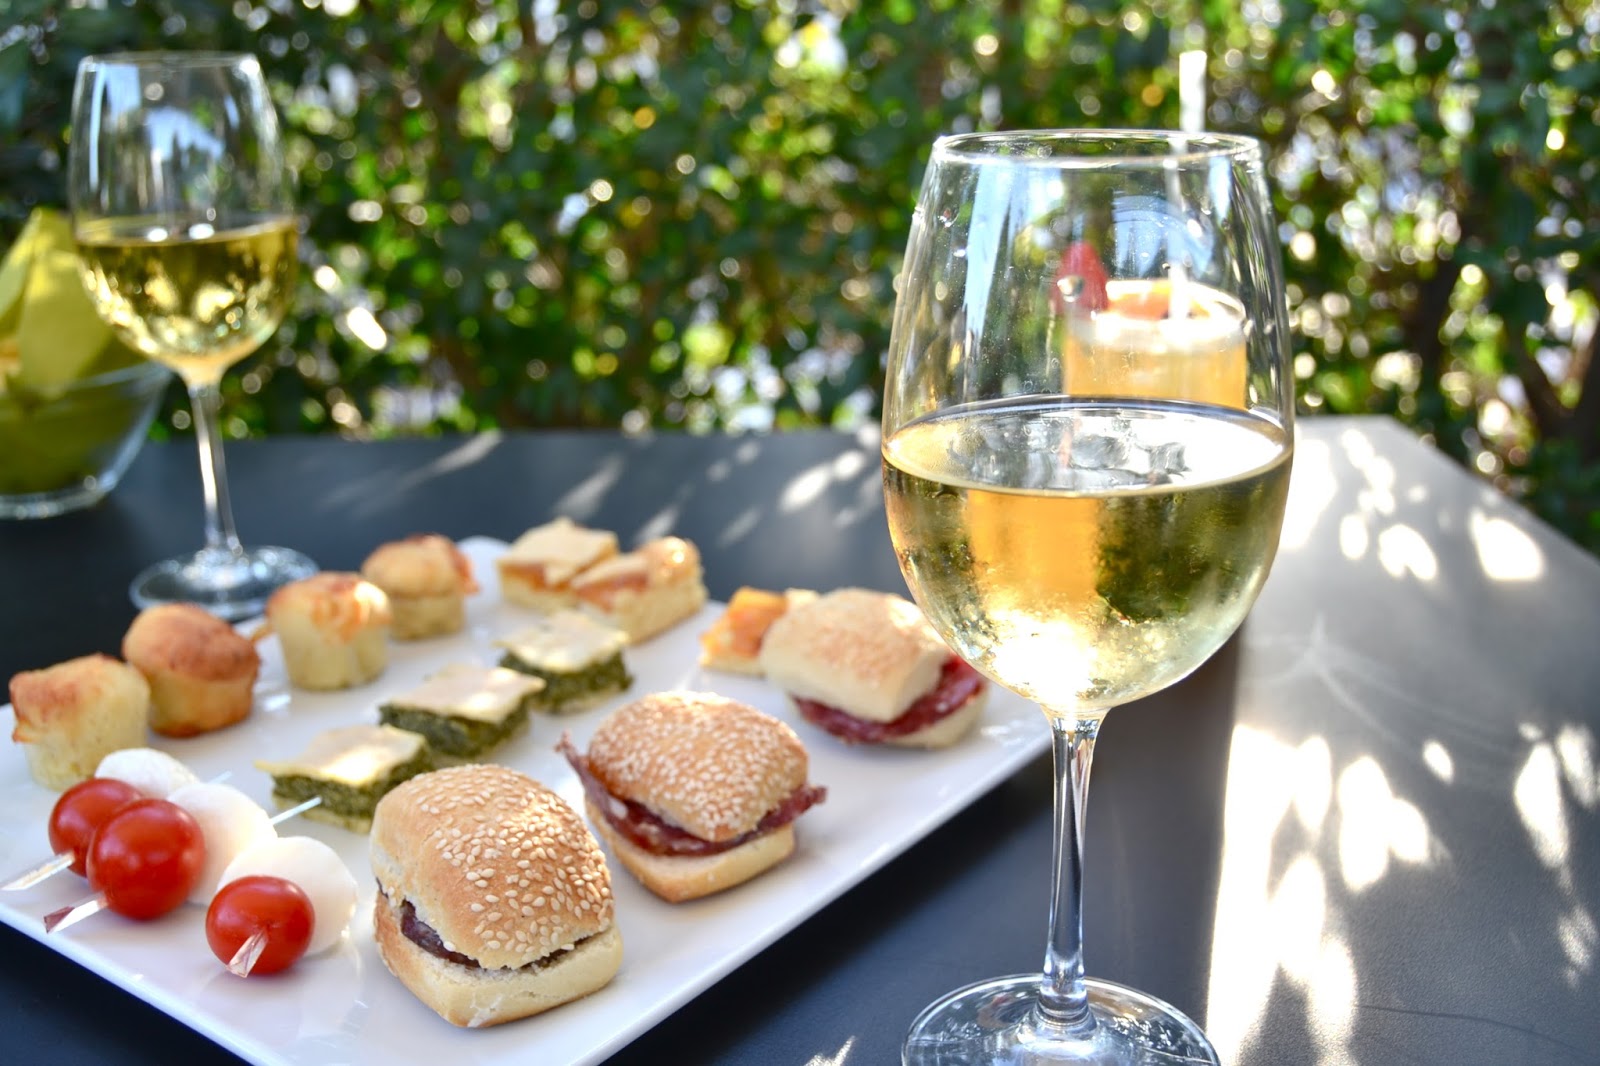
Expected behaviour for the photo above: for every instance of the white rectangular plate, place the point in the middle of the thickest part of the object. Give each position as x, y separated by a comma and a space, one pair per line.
343, 1006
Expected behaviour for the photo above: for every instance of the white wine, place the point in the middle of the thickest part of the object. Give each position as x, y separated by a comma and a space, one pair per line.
194, 297
1085, 553
1144, 344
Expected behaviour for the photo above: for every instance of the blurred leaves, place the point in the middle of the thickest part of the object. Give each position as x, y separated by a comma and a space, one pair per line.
690, 215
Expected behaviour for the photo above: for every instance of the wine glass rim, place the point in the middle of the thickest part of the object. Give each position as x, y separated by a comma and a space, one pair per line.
168, 59
1178, 147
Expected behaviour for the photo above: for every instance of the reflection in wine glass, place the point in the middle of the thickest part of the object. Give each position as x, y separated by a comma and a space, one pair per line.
183, 216
1086, 448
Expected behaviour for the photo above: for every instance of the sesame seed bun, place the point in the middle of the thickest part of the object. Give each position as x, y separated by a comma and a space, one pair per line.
708, 764
507, 875
868, 653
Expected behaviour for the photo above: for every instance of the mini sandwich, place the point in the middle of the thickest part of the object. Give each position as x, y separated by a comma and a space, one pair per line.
732, 643
494, 901
868, 668
645, 591
465, 710
537, 569
578, 659
694, 792
350, 768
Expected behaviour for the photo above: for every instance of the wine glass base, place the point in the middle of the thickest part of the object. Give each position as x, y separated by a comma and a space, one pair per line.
996, 1022
230, 585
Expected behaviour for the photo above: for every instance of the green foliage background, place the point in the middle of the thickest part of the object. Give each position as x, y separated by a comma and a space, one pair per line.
690, 215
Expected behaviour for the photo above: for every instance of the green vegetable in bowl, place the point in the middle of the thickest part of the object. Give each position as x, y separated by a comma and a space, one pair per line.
50, 333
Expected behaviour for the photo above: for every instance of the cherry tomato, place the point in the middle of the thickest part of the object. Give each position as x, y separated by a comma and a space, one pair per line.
258, 903
81, 809
146, 858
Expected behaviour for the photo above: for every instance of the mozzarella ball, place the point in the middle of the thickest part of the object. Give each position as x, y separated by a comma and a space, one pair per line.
155, 773
232, 823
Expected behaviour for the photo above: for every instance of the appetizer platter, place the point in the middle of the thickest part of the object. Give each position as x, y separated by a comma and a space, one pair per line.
342, 1004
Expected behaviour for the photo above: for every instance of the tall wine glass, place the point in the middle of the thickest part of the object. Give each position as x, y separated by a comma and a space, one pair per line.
1086, 450
184, 219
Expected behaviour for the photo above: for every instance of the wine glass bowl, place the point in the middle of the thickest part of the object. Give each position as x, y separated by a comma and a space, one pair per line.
1086, 446
184, 220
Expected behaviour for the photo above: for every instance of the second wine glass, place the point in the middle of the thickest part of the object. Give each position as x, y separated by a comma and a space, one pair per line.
1086, 450
184, 220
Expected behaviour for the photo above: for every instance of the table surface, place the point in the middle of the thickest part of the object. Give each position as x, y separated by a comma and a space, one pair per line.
1368, 831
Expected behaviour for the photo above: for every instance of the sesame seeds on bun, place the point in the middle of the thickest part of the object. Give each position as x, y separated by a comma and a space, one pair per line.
496, 863
709, 764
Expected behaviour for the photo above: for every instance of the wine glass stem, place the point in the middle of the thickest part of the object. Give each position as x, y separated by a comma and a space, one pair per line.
1063, 997
205, 402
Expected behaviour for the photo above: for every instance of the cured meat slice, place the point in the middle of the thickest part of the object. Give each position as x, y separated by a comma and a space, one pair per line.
958, 683
643, 828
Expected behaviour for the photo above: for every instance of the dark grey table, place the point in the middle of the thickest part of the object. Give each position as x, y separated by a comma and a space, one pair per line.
1368, 831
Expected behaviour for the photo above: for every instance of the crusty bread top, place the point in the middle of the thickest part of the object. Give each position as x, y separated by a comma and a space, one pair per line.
664, 561
186, 639
868, 653
60, 698
548, 556
708, 764
425, 564
501, 868
337, 604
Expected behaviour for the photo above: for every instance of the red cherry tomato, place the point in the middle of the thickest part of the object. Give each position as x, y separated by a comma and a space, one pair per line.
146, 858
260, 904
79, 812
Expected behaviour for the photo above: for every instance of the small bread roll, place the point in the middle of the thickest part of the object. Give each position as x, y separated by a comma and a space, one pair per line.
202, 672
73, 714
427, 580
333, 628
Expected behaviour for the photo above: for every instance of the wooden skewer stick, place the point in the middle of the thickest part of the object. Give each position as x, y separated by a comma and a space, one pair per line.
28, 878
70, 916
244, 960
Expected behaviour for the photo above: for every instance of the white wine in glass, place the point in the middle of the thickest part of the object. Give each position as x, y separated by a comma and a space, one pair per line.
184, 221
1087, 437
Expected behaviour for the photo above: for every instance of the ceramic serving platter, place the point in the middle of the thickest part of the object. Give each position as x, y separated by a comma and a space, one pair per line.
342, 1006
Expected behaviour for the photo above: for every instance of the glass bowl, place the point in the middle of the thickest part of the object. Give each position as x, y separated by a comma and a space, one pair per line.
66, 450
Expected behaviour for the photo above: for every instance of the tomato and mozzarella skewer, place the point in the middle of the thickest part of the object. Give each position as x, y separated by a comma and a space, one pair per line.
229, 838
317, 870
138, 772
143, 861
259, 924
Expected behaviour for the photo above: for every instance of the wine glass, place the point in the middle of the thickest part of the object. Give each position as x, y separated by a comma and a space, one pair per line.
1086, 448
185, 225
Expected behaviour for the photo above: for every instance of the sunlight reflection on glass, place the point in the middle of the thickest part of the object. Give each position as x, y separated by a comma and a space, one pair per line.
1537, 794
1375, 825
1436, 757
1402, 550
1354, 540
1266, 779
1505, 552
1575, 745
